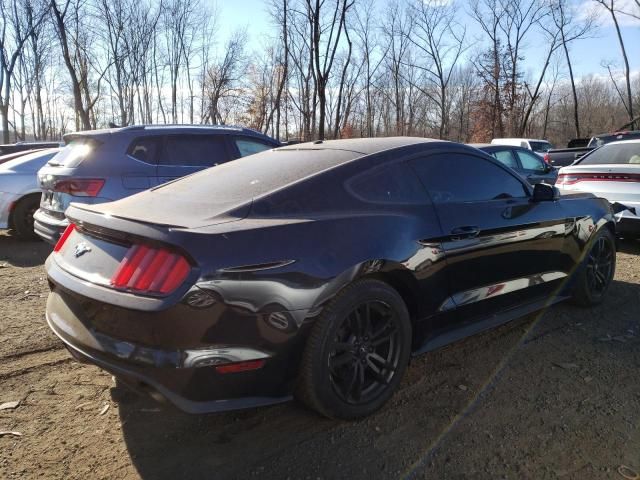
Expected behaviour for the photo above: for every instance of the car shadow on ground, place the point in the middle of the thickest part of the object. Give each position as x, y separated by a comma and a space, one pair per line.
630, 246
22, 253
439, 389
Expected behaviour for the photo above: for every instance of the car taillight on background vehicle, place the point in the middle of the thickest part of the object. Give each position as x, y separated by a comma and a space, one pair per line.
80, 187
63, 238
150, 270
571, 178
547, 159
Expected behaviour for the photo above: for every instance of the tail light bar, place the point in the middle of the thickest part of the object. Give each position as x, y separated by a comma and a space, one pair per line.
80, 187
146, 269
63, 238
572, 178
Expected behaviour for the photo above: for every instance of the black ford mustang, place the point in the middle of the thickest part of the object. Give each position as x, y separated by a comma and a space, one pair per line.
317, 270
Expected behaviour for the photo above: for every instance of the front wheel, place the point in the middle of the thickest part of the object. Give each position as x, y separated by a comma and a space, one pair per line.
598, 269
23, 217
357, 352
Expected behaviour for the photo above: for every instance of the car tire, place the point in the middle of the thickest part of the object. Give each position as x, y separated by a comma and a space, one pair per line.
357, 352
597, 270
22, 217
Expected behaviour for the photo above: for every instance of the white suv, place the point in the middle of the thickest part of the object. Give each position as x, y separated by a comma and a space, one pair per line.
538, 146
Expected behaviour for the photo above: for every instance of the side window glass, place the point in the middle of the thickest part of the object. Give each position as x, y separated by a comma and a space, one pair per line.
393, 184
530, 161
247, 146
145, 149
194, 150
506, 158
457, 178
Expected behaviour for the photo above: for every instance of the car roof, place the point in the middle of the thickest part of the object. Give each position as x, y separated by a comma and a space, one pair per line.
168, 128
623, 142
363, 146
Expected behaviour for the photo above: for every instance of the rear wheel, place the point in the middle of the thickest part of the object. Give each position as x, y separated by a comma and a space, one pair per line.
597, 272
357, 352
22, 217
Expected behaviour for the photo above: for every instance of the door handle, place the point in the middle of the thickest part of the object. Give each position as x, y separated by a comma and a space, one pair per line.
465, 232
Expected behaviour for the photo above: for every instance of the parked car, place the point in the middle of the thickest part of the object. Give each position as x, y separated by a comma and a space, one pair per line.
20, 192
523, 161
317, 269
26, 146
535, 145
562, 157
612, 172
11, 156
104, 165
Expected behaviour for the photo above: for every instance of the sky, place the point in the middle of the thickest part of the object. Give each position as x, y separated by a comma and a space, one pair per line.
587, 55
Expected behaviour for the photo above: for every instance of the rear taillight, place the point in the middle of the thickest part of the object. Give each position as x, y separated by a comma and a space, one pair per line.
547, 159
80, 187
571, 178
241, 366
63, 238
146, 269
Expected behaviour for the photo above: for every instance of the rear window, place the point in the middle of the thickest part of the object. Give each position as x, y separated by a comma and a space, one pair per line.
622, 153
74, 153
540, 147
248, 146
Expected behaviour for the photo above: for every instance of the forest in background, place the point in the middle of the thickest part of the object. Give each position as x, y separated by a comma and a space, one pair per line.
328, 69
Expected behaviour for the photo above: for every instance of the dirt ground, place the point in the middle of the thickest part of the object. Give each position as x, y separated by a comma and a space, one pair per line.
555, 396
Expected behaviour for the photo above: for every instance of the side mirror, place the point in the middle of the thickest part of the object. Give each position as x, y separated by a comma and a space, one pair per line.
543, 192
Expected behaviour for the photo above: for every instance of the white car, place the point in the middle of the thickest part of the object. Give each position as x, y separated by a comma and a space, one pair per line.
536, 145
20, 192
612, 172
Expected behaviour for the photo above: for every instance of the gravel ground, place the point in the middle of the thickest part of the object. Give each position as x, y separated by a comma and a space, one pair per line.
551, 396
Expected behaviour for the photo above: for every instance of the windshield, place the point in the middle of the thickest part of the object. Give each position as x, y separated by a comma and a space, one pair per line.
540, 147
620, 153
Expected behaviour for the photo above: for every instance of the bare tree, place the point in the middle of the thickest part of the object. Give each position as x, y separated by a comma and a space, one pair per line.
324, 47
441, 41
610, 5
14, 33
222, 77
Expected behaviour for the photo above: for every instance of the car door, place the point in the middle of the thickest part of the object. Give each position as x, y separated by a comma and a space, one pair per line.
501, 249
185, 154
533, 167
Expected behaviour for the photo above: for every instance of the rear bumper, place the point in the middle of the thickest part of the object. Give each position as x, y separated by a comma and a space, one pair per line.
179, 374
47, 227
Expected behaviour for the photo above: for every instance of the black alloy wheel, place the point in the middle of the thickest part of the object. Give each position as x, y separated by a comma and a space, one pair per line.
599, 266
598, 269
365, 353
357, 351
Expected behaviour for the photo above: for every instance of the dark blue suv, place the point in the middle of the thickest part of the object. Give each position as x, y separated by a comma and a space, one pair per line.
104, 165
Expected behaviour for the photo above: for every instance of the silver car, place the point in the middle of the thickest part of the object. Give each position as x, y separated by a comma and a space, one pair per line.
20, 191
612, 172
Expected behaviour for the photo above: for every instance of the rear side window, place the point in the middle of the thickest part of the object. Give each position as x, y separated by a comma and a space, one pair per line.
457, 177
145, 149
621, 153
194, 150
249, 146
506, 158
389, 184
530, 161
